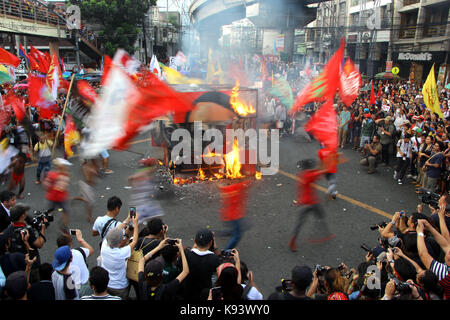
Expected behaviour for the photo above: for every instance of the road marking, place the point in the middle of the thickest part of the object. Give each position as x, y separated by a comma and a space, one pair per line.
343, 197
76, 155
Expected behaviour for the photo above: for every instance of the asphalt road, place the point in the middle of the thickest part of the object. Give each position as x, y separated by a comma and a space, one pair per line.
363, 200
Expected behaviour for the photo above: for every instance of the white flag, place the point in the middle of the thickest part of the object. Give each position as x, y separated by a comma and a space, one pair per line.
106, 123
154, 67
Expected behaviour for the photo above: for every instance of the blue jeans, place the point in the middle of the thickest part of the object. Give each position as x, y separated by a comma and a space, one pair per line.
236, 233
42, 166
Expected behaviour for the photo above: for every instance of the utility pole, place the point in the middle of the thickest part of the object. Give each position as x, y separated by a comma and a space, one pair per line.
145, 40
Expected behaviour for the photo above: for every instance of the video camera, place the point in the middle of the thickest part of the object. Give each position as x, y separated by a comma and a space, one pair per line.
38, 219
432, 199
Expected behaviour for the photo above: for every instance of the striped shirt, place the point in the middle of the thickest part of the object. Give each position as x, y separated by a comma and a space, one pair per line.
442, 272
105, 297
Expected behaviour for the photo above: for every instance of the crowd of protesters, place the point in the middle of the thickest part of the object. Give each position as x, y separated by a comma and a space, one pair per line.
410, 262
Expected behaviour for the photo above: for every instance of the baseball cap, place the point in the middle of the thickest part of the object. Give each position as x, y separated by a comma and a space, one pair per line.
302, 276
17, 211
62, 256
16, 284
204, 237
154, 268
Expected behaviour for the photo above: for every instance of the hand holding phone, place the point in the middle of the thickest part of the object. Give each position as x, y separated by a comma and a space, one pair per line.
132, 212
73, 232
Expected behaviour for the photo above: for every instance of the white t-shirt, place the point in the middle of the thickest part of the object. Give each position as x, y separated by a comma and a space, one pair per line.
100, 223
78, 268
405, 147
253, 294
58, 284
115, 262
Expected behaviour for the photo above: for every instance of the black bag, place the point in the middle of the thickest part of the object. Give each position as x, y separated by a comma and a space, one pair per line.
83, 254
105, 227
246, 291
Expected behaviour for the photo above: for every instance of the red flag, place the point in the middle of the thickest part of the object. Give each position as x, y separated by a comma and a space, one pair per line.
63, 66
16, 103
325, 85
40, 96
350, 82
86, 91
154, 101
107, 61
323, 126
41, 58
379, 91
372, 93
54, 77
8, 58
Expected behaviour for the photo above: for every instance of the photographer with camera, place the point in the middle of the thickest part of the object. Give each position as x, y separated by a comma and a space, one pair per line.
302, 277
27, 238
7, 200
371, 154
441, 270
150, 274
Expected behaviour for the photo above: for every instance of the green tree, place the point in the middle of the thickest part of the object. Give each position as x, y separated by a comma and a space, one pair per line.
120, 20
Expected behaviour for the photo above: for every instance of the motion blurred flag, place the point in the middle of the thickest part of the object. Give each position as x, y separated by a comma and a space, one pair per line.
40, 96
174, 77
8, 58
41, 59
325, 85
14, 102
323, 126
71, 136
430, 94
4, 75
31, 62
350, 82
155, 68
123, 60
372, 93
152, 101
54, 77
282, 90
110, 112
86, 91
234, 201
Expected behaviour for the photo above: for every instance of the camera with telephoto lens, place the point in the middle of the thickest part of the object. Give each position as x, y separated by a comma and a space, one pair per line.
38, 219
380, 225
401, 287
430, 198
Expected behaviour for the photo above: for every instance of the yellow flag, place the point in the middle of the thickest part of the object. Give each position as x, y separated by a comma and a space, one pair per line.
430, 95
211, 70
174, 77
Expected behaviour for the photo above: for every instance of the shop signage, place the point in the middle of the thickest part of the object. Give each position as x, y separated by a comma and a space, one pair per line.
412, 56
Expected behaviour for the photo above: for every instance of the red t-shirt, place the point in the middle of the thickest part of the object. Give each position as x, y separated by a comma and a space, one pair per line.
306, 194
57, 191
234, 201
324, 154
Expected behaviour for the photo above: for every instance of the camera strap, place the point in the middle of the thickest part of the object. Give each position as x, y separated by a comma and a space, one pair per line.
105, 227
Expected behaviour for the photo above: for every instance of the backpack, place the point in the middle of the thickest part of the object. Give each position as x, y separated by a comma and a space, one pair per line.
83, 254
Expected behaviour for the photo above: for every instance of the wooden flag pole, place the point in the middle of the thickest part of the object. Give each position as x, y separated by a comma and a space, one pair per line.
62, 115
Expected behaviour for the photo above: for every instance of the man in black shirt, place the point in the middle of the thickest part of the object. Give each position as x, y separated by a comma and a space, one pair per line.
43, 290
203, 261
302, 277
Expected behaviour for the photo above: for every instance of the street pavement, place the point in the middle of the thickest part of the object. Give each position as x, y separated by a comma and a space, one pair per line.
363, 200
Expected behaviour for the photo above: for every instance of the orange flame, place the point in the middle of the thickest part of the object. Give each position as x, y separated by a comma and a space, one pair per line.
258, 175
239, 106
201, 174
232, 163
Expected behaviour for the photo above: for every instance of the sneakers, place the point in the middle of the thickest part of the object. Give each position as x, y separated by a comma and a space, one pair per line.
293, 244
409, 175
399, 181
414, 177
